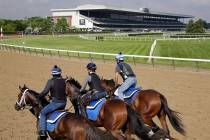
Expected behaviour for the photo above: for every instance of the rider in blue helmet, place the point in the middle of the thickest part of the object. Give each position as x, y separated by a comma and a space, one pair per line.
56, 87
95, 91
125, 71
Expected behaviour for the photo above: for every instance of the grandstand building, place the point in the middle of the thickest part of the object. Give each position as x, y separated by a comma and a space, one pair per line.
100, 17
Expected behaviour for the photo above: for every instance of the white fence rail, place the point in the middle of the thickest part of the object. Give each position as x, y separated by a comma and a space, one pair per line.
90, 54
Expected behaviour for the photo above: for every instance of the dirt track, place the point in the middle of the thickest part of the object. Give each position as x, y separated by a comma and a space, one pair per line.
187, 92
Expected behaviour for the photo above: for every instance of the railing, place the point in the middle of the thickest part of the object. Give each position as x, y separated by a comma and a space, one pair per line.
103, 56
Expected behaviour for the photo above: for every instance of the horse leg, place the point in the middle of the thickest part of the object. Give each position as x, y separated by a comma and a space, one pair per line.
127, 131
148, 121
117, 134
155, 127
41, 138
162, 118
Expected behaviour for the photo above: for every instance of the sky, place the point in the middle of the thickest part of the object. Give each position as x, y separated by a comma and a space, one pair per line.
19, 9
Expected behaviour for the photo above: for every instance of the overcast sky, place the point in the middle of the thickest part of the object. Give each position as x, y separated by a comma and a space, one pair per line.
17, 9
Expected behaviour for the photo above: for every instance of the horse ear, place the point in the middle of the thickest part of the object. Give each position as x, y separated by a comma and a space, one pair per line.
67, 77
20, 87
24, 86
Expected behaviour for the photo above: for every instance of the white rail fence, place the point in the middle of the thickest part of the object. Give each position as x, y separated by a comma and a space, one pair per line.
103, 56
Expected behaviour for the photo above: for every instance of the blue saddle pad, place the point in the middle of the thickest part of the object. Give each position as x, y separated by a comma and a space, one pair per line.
53, 120
130, 94
94, 108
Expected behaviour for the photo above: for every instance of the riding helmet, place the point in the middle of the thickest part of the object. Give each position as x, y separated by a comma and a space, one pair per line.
56, 70
91, 66
119, 57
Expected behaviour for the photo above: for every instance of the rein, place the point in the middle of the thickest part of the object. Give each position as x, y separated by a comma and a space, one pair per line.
23, 98
22, 101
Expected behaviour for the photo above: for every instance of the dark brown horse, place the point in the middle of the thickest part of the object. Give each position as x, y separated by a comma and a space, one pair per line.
114, 116
70, 127
148, 104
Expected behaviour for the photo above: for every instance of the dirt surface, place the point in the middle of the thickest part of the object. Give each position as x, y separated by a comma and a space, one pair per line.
187, 92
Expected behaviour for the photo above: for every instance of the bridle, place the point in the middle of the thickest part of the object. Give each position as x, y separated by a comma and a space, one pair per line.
22, 103
23, 99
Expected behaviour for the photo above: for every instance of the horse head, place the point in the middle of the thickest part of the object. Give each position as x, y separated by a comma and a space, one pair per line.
108, 85
29, 98
25, 98
72, 88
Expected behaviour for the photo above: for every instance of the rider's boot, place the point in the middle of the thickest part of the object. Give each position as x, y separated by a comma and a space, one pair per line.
42, 133
83, 111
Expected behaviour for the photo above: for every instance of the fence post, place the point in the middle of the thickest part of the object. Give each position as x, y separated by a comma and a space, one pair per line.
19, 49
14, 49
103, 58
68, 54
90, 57
29, 50
10, 49
43, 52
153, 64
6, 48
35, 51
173, 64
197, 65
58, 53
23, 49
134, 62
50, 53
78, 55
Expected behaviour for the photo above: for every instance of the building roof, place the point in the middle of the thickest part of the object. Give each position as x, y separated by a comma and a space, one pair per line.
103, 7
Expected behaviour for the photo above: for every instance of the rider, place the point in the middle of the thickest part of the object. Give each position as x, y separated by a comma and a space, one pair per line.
95, 92
125, 71
56, 86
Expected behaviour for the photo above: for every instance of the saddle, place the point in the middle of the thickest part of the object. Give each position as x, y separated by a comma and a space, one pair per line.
130, 94
94, 108
53, 119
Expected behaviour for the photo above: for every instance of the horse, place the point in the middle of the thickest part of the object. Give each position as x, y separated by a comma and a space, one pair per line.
148, 104
114, 116
70, 126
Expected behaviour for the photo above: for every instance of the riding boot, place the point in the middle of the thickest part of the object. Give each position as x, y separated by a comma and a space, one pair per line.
42, 133
76, 106
83, 111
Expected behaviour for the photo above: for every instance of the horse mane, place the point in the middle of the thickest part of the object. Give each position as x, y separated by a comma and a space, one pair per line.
43, 101
74, 82
109, 82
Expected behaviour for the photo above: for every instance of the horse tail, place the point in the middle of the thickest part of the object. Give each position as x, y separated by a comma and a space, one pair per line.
137, 125
173, 116
93, 133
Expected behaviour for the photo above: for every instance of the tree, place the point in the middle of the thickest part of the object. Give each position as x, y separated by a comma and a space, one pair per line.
20, 25
198, 26
195, 27
205, 24
190, 27
62, 25
9, 27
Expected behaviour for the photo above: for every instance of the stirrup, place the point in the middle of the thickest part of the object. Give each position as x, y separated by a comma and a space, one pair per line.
42, 133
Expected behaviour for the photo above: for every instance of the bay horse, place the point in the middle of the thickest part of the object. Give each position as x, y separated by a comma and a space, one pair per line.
148, 104
70, 127
114, 116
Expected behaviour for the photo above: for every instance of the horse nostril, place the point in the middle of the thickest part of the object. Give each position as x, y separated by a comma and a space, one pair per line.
17, 107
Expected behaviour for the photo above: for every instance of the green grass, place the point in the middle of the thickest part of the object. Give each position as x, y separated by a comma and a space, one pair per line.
78, 44
195, 49
199, 49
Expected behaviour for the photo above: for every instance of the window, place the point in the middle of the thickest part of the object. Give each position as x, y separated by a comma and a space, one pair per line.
82, 21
